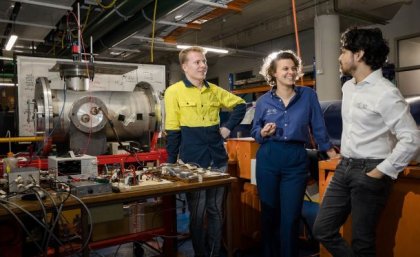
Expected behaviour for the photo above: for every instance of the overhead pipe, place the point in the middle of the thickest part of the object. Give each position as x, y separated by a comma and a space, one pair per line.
176, 24
112, 18
99, 25
9, 26
217, 5
7, 75
134, 24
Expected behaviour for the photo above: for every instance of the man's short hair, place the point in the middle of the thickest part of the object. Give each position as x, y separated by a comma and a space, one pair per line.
184, 52
370, 41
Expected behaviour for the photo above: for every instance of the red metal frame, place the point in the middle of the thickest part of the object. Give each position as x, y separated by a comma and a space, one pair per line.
159, 155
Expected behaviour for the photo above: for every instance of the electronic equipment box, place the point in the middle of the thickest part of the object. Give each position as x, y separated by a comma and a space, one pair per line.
79, 167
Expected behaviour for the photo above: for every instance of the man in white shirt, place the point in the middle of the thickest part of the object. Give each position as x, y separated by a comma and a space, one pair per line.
379, 139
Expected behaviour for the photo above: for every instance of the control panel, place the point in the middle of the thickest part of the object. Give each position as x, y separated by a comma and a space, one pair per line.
20, 179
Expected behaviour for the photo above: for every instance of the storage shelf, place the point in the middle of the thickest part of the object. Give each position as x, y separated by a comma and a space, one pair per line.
265, 88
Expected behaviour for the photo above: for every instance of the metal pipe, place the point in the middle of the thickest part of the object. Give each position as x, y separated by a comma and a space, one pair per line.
31, 24
56, 6
79, 45
134, 24
183, 25
111, 19
20, 139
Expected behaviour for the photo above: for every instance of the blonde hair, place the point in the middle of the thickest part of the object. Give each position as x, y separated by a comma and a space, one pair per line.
270, 65
184, 52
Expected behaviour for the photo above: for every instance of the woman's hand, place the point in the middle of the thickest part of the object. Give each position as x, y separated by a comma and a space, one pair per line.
268, 129
332, 154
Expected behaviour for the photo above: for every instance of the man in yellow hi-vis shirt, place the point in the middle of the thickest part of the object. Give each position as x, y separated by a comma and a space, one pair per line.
192, 108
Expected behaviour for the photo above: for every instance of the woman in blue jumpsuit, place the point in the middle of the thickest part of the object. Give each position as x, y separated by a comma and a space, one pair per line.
282, 119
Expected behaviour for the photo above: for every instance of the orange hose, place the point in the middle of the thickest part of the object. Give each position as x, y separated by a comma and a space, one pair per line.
296, 28
296, 33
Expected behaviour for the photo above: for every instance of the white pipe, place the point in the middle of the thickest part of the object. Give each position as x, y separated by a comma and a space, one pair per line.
28, 24
56, 6
211, 4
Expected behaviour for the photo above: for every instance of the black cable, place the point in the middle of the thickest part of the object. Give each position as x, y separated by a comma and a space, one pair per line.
86, 243
47, 242
22, 225
116, 251
111, 124
34, 218
44, 211
55, 124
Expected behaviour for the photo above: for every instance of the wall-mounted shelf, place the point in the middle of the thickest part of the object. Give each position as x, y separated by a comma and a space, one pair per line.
265, 88
248, 90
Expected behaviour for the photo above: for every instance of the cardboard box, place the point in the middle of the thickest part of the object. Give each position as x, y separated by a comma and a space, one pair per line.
145, 216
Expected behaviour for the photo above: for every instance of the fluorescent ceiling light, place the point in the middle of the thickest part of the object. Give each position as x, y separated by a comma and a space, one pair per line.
6, 58
208, 49
11, 42
7, 84
115, 53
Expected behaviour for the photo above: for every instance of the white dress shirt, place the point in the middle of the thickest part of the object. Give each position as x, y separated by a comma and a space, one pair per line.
377, 124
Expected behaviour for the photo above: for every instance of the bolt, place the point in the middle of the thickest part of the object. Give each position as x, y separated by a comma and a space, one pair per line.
85, 118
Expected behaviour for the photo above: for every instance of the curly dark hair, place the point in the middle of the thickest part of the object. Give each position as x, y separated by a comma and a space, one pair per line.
269, 66
370, 41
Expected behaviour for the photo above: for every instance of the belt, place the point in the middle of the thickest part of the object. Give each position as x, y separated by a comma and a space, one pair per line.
355, 161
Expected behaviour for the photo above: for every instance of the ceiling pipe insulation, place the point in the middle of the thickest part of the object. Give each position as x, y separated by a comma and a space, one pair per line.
134, 24
113, 18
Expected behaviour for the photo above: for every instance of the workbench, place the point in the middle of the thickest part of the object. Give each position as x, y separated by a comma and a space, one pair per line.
166, 191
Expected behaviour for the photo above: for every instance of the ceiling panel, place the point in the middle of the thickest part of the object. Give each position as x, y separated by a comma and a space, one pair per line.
259, 21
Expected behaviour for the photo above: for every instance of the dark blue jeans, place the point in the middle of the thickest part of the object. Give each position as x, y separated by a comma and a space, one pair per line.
352, 191
281, 181
206, 204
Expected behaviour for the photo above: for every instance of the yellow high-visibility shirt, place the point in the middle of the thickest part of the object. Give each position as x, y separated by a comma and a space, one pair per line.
186, 105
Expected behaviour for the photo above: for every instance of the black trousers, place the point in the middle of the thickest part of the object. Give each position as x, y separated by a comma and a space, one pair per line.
352, 191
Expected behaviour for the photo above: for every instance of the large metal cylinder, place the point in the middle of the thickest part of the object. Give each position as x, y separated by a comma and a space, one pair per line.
131, 113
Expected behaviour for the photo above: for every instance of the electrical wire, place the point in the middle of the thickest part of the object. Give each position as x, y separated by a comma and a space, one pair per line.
49, 229
34, 218
114, 131
47, 241
21, 224
153, 33
55, 124
10, 142
116, 251
44, 211
86, 18
110, 5
62, 39
90, 222
87, 72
